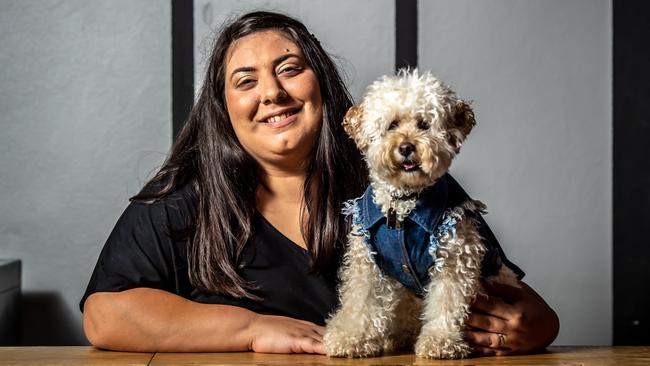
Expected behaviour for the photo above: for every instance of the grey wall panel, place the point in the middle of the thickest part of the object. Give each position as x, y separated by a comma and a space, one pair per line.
540, 156
360, 33
85, 114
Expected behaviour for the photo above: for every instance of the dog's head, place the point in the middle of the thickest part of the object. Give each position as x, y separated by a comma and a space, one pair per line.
409, 127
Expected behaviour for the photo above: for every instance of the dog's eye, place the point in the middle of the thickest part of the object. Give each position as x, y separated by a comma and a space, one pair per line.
423, 125
393, 125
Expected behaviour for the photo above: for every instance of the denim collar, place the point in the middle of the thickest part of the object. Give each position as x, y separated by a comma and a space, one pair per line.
431, 204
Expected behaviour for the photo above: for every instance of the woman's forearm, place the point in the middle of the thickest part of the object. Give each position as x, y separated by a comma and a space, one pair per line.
150, 320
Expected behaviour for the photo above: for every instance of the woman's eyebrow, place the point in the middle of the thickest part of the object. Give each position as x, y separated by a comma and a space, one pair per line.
284, 57
242, 69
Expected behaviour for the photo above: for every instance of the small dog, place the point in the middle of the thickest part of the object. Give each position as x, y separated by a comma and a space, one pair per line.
413, 260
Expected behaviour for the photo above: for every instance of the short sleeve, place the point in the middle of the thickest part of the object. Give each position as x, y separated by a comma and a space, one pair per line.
494, 257
144, 249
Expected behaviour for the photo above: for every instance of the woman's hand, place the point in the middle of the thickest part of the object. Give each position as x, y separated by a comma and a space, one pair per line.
509, 321
279, 334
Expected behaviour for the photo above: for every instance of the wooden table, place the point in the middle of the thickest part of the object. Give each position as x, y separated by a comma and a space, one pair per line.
90, 356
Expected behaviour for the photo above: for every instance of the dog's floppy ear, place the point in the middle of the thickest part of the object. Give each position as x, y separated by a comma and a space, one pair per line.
461, 124
352, 124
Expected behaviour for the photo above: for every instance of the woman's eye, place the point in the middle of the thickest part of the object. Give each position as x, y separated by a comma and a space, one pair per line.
243, 83
290, 70
423, 125
393, 125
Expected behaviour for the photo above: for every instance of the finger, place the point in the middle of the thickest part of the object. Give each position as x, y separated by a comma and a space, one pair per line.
492, 306
485, 351
316, 336
310, 345
319, 348
487, 323
305, 325
319, 330
485, 339
319, 334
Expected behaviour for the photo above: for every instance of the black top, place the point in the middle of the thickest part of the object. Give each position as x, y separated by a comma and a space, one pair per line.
142, 251
145, 250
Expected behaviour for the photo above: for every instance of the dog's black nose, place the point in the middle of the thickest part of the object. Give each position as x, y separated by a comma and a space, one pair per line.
406, 148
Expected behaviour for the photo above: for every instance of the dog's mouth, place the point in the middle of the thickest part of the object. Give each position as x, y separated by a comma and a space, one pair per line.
409, 166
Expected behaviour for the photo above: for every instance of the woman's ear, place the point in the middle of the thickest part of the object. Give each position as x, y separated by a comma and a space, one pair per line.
461, 125
352, 124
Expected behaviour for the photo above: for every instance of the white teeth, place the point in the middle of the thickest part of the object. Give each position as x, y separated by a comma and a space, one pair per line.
278, 118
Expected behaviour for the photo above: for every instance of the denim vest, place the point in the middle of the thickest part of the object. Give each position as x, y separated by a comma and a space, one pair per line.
408, 251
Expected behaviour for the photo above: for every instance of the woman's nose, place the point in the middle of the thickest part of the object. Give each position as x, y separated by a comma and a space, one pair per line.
272, 91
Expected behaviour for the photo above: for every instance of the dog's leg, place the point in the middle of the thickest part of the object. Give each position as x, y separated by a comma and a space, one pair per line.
449, 294
360, 326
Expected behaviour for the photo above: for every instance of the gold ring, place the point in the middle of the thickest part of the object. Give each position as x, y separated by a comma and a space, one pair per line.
502, 339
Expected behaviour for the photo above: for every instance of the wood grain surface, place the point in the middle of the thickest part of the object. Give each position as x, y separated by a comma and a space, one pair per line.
70, 356
588, 356
554, 356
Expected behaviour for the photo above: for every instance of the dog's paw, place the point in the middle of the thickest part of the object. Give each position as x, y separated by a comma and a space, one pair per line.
441, 348
346, 345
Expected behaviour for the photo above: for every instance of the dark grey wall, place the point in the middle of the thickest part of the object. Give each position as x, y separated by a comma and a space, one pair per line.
631, 176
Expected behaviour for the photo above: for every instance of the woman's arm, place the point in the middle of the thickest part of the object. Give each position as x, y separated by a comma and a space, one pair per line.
150, 320
524, 319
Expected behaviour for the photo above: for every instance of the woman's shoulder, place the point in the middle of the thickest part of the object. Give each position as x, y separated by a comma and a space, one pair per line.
147, 247
175, 210
182, 193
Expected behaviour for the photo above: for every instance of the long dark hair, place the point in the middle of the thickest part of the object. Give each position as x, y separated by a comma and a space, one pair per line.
208, 155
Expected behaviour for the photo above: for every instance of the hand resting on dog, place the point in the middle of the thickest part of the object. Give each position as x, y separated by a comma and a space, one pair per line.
524, 319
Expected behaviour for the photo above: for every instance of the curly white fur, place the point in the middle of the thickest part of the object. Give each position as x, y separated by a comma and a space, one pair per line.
377, 314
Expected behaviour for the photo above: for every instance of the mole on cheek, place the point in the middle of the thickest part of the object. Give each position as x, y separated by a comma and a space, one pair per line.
286, 50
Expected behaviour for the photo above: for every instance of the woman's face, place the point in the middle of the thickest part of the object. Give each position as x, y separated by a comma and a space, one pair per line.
273, 99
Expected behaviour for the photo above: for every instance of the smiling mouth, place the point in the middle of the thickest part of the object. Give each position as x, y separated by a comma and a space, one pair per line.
280, 117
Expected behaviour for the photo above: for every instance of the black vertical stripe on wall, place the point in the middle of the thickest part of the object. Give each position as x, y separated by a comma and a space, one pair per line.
631, 185
406, 33
182, 62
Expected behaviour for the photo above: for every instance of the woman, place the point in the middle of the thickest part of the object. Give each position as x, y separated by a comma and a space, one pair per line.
234, 244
